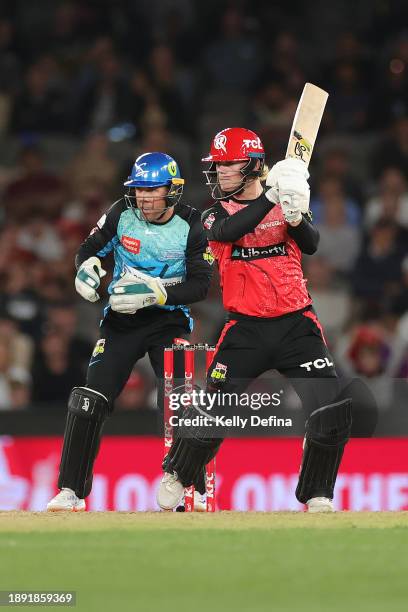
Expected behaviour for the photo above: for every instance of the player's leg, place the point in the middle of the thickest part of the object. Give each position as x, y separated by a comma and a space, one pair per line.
239, 357
306, 360
88, 408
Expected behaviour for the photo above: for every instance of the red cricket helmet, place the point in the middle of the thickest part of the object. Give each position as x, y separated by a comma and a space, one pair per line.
229, 145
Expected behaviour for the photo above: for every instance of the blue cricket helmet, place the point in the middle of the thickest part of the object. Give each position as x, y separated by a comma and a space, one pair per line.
154, 170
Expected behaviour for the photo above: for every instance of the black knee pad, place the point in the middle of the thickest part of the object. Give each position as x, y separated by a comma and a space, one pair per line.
87, 413
327, 432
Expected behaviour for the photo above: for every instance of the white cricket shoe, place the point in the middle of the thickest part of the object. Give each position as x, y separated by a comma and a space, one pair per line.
200, 502
320, 504
170, 492
66, 500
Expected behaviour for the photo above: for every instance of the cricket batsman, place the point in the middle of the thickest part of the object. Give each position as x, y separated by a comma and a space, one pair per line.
257, 234
160, 265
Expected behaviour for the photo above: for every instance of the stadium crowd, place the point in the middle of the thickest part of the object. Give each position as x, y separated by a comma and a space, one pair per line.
94, 84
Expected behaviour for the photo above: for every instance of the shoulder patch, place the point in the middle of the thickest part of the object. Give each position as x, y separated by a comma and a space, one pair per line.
208, 222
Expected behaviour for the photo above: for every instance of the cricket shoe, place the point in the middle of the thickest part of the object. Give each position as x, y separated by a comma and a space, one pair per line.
320, 504
67, 501
170, 492
200, 503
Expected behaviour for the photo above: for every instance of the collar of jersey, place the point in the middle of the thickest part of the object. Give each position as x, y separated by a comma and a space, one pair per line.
248, 201
164, 222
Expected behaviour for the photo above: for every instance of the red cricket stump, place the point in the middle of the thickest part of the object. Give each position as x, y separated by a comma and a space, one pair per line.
168, 390
188, 388
210, 467
189, 364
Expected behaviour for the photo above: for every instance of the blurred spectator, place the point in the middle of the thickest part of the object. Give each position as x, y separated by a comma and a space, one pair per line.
20, 389
336, 164
175, 89
39, 239
10, 65
377, 273
35, 188
336, 231
20, 345
92, 165
55, 371
10, 72
400, 301
233, 60
331, 300
368, 353
330, 189
14, 380
350, 104
135, 393
62, 320
19, 300
100, 92
5, 362
392, 96
393, 150
41, 106
273, 107
391, 201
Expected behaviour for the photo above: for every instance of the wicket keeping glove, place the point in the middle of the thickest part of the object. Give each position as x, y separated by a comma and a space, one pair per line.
287, 182
135, 290
88, 279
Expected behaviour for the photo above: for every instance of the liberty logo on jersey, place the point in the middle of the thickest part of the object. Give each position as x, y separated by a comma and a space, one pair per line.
255, 252
131, 244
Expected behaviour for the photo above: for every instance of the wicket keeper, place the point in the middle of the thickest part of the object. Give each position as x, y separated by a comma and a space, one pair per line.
161, 264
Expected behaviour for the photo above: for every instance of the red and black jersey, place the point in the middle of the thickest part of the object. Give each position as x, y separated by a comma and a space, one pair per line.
259, 256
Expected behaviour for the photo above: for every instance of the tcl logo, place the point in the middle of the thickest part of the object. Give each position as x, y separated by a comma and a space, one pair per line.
255, 144
131, 244
317, 363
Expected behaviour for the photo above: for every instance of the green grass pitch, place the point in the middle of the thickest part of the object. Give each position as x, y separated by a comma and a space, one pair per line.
225, 561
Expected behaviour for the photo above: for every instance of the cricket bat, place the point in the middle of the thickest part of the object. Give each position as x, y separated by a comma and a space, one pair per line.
306, 123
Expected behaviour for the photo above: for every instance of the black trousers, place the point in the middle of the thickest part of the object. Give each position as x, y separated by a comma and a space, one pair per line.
294, 345
124, 340
120, 347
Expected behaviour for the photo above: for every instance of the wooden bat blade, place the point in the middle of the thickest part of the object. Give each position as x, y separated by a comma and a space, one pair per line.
306, 122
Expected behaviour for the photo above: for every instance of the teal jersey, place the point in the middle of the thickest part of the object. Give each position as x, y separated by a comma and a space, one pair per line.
175, 251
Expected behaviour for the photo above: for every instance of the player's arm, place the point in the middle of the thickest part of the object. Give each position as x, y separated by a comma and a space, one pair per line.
305, 234
101, 240
198, 268
98, 244
222, 227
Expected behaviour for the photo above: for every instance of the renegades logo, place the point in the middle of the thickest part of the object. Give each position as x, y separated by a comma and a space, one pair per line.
131, 244
209, 221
